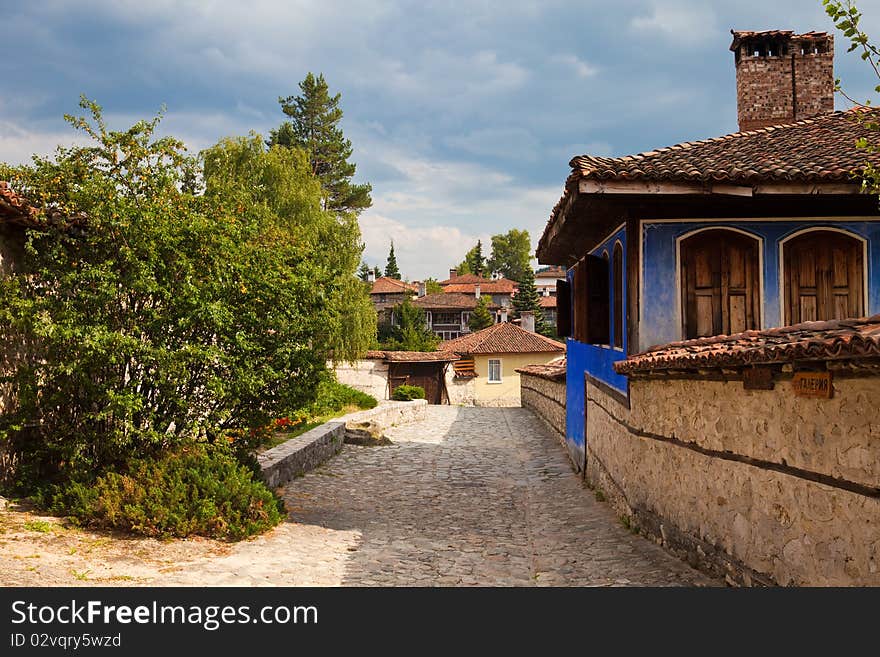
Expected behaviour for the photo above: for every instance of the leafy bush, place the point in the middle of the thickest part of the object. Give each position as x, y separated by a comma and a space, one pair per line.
333, 397
196, 490
163, 299
408, 393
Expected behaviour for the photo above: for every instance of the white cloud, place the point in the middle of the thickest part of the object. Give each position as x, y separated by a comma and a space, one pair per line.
18, 143
580, 68
683, 23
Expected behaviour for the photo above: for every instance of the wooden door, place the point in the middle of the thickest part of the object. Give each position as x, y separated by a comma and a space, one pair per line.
425, 375
719, 275
824, 274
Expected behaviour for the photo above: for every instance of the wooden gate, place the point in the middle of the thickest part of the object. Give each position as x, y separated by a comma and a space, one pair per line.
430, 376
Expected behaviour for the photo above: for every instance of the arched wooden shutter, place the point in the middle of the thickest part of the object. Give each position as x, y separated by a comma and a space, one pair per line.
563, 308
591, 303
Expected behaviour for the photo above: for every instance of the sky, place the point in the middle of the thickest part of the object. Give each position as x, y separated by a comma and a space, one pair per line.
463, 115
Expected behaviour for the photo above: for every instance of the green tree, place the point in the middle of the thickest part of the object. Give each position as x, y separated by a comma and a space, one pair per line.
152, 316
314, 127
847, 19
481, 317
432, 286
411, 332
527, 298
511, 254
391, 270
475, 260
364, 272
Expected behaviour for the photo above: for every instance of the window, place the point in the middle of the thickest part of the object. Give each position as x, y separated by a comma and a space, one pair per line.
447, 319
823, 277
617, 288
494, 370
719, 283
590, 312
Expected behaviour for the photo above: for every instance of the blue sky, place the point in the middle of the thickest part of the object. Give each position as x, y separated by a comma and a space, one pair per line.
463, 115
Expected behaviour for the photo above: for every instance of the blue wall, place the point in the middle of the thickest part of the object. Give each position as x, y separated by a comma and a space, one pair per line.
660, 304
597, 360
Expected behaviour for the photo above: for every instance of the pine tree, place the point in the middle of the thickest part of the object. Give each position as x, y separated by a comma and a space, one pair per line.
364, 272
475, 260
527, 298
313, 126
411, 332
481, 317
391, 270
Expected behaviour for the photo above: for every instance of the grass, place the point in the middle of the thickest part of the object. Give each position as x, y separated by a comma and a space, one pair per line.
39, 526
81, 575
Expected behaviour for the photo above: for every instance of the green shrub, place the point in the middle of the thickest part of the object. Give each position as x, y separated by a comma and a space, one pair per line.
197, 490
333, 397
408, 393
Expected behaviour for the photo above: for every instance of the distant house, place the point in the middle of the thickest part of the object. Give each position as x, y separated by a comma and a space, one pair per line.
500, 289
548, 307
386, 293
448, 314
545, 280
491, 357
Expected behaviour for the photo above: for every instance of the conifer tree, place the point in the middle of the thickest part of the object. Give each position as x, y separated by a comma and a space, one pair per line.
475, 260
411, 332
314, 127
527, 298
391, 270
481, 317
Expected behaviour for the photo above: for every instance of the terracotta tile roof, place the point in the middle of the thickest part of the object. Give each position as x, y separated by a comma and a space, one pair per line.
553, 371
548, 302
15, 208
821, 149
443, 300
419, 356
502, 338
843, 339
467, 283
410, 356
385, 285
550, 272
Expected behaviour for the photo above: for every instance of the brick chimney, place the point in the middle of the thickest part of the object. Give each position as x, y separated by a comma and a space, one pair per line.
422, 288
453, 273
782, 77
527, 320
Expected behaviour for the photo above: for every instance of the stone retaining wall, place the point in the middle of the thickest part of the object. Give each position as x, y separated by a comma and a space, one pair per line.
369, 376
298, 455
757, 486
546, 398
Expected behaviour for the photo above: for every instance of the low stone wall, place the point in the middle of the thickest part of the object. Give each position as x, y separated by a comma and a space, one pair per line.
757, 486
546, 398
369, 376
298, 455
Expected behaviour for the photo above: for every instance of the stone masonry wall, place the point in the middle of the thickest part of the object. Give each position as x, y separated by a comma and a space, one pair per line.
298, 455
369, 376
462, 391
758, 486
547, 400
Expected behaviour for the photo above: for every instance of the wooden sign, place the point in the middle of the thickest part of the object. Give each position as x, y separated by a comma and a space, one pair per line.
812, 384
758, 378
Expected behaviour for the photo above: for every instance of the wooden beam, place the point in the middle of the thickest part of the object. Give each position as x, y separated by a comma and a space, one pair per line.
647, 187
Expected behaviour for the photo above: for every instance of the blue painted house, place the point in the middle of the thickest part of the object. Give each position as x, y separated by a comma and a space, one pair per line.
762, 228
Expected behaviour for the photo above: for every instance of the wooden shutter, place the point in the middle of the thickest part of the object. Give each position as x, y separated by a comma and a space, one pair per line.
824, 273
563, 308
719, 283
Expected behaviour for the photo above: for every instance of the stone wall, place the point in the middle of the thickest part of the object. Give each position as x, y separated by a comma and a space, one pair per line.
298, 455
760, 487
461, 390
369, 376
546, 398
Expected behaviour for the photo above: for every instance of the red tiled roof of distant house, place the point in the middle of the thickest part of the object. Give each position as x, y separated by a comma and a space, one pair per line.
14, 207
840, 339
813, 151
441, 300
548, 302
410, 356
553, 371
503, 338
468, 282
386, 285
550, 272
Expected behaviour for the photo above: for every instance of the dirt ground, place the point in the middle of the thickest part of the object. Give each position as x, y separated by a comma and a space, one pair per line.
38, 550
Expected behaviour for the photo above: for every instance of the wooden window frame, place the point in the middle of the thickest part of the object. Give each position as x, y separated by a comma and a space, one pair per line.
489, 378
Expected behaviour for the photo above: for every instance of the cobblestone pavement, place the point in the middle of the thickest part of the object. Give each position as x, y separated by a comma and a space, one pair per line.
471, 496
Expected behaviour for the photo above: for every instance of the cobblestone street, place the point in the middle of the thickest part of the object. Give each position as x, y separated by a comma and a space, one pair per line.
472, 496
